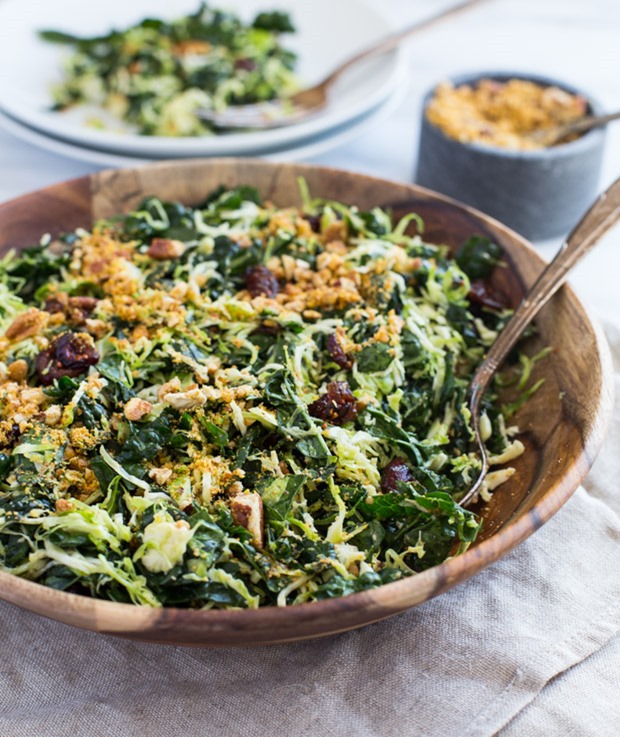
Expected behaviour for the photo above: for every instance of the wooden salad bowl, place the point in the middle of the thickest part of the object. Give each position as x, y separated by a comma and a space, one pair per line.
563, 425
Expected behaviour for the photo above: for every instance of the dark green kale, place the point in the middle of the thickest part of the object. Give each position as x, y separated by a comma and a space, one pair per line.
478, 256
276, 21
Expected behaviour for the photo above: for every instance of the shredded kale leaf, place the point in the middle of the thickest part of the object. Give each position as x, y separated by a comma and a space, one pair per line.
235, 405
478, 256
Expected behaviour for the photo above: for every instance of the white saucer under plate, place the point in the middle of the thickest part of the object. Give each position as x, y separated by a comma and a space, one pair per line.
328, 32
313, 146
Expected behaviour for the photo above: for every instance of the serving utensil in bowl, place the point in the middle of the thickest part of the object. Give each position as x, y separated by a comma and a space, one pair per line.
310, 101
603, 215
562, 426
553, 136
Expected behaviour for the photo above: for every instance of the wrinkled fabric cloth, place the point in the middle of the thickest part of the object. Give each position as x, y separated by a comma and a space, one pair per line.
528, 648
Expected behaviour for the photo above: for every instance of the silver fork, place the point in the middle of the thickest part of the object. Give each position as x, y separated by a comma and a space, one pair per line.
312, 100
603, 214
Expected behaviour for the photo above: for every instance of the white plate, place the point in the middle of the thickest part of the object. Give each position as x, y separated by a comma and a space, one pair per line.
328, 32
311, 147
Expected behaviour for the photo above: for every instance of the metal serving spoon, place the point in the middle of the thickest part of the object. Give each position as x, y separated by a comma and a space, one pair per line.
603, 214
310, 101
553, 136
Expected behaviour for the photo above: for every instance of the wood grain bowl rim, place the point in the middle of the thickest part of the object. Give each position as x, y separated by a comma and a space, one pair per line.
273, 625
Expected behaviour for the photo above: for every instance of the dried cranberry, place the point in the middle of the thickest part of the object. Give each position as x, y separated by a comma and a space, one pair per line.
395, 471
76, 351
43, 368
12, 435
481, 294
68, 355
337, 405
314, 221
264, 329
54, 305
336, 351
260, 281
247, 65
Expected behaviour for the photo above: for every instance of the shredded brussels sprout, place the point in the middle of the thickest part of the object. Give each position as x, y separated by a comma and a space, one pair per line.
236, 405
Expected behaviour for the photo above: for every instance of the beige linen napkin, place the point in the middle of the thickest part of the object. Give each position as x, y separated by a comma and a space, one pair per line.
468, 664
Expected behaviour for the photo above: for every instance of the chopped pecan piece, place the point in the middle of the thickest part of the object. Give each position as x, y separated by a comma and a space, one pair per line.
137, 408
64, 505
97, 328
52, 415
191, 46
18, 370
85, 304
336, 231
160, 475
75, 309
247, 511
163, 249
26, 325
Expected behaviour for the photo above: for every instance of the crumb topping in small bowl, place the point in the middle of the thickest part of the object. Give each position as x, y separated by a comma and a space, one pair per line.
502, 113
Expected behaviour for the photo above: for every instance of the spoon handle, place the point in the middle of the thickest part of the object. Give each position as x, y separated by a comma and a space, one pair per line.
392, 41
594, 224
553, 136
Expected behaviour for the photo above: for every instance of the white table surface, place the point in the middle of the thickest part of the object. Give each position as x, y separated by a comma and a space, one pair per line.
574, 40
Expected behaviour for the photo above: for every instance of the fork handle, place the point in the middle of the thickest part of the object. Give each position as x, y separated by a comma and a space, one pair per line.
584, 236
392, 41
603, 214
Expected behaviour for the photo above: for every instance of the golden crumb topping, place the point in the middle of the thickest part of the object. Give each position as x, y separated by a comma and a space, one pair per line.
503, 114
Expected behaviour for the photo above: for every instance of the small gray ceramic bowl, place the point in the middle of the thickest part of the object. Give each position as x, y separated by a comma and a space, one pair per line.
540, 194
